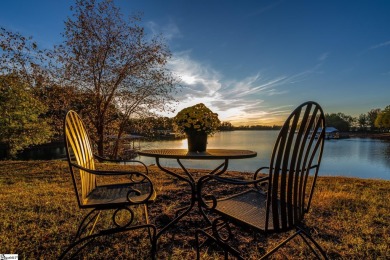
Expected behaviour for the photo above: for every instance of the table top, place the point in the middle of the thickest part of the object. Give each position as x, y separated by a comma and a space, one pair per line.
209, 154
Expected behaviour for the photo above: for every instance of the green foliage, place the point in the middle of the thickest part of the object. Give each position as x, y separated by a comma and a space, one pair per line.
60, 99
20, 122
383, 119
372, 115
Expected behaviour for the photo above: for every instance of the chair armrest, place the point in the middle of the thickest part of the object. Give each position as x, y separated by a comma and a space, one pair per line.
135, 177
108, 172
102, 159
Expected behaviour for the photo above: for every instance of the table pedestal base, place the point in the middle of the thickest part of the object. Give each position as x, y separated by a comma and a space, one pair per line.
192, 183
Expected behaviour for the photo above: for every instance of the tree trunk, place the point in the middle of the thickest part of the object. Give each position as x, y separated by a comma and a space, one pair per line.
120, 132
117, 142
100, 133
8, 154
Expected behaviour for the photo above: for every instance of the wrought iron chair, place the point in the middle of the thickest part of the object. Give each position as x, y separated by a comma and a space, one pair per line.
118, 199
277, 202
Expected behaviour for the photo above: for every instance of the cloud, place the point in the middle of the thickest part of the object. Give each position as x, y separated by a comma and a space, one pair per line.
199, 79
323, 56
233, 100
250, 100
266, 87
169, 30
380, 45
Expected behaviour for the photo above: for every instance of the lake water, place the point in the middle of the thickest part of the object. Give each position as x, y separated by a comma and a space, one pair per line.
354, 157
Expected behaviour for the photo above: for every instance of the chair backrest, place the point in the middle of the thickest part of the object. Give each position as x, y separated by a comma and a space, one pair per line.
297, 154
79, 153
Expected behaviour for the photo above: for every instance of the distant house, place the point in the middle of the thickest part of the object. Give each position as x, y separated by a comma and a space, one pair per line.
331, 132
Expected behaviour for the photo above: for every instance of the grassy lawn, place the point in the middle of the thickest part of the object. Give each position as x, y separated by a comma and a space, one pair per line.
39, 216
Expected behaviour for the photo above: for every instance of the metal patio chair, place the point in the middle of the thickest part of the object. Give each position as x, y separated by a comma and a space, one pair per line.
119, 199
277, 202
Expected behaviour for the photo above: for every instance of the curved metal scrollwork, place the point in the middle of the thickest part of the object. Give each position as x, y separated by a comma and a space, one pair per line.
136, 192
211, 201
141, 187
221, 230
88, 221
128, 222
137, 178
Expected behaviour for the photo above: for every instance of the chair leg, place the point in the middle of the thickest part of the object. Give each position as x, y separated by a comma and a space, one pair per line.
152, 232
88, 239
307, 235
299, 232
84, 223
197, 245
309, 245
279, 246
94, 223
76, 243
147, 221
153, 238
226, 248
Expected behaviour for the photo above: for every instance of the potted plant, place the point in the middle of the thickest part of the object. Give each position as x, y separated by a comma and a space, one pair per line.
197, 122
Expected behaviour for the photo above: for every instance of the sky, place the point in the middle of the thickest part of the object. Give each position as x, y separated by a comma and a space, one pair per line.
252, 62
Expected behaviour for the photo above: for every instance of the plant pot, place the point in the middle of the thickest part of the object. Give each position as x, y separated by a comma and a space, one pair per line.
197, 142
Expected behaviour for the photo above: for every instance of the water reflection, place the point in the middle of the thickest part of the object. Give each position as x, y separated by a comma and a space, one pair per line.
364, 158
44, 152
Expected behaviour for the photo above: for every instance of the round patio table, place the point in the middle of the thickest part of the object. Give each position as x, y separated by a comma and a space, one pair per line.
184, 154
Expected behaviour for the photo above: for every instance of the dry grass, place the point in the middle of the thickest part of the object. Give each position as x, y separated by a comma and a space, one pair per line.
39, 215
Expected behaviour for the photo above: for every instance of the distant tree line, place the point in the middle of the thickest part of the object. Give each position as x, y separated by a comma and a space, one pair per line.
153, 126
227, 126
375, 120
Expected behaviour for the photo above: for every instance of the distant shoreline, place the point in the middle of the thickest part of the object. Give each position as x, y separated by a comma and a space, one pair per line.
381, 136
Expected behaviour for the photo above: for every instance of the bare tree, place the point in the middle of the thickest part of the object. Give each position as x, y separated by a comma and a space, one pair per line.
114, 62
21, 56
